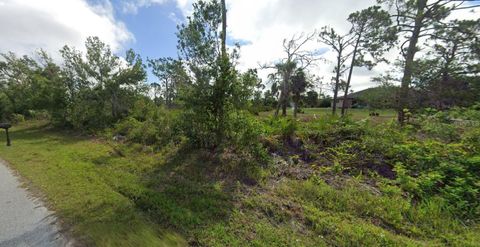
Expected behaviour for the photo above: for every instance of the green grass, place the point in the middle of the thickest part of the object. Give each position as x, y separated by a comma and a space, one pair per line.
80, 178
356, 114
119, 195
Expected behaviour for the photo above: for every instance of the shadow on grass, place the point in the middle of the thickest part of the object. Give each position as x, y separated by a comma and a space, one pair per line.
188, 193
41, 132
182, 192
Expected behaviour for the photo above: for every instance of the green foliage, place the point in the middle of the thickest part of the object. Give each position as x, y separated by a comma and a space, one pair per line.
284, 127
471, 140
30, 84
89, 92
438, 129
351, 213
208, 179
217, 93
433, 168
434, 157
188, 195
101, 90
311, 99
82, 179
39, 115
172, 76
17, 118
148, 125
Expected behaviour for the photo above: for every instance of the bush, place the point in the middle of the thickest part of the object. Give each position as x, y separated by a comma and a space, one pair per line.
17, 118
433, 168
148, 125
39, 115
471, 140
440, 130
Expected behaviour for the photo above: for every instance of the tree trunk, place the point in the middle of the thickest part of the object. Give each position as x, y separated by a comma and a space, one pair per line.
224, 29
283, 101
295, 105
286, 79
167, 94
284, 108
114, 105
223, 80
294, 109
350, 72
278, 106
408, 71
155, 96
337, 82
8, 137
448, 61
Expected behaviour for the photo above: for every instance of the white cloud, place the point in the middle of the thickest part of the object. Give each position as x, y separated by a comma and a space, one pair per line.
132, 6
27, 25
265, 24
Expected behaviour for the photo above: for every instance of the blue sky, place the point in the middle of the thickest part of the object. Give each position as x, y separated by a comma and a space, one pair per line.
153, 28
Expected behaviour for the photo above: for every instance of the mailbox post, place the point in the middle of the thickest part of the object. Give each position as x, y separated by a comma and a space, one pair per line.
6, 126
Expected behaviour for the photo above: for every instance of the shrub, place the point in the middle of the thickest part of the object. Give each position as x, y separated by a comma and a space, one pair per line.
440, 130
285, 128
17, 118
433, 168
471, 140
39, 115
148, 125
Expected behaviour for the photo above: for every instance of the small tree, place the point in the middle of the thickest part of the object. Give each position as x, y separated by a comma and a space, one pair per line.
156, 91
28, 84
299, 86
171, 74
443, 75
297, 57
209, 101
454, 46
101, 90
339, 44
311, 99
373, 35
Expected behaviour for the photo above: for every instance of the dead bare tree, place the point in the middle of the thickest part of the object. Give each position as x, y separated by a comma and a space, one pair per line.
296, 57
339, 44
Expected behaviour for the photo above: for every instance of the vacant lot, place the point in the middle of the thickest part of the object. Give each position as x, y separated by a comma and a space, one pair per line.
112, 194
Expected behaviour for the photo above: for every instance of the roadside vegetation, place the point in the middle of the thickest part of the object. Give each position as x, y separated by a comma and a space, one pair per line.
210, 157
329, 181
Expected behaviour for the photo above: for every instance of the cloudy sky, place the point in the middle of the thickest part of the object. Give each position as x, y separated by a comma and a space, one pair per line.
149, 26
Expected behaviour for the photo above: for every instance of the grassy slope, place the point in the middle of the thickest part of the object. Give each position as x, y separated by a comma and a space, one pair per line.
78, 176
116, 201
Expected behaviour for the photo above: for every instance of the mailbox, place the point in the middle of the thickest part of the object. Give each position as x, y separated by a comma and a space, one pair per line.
6, 126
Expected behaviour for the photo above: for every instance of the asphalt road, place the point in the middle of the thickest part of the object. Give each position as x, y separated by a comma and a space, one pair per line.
24, 221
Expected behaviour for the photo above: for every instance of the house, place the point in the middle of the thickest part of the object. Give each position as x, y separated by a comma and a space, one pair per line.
350, 101
375, 97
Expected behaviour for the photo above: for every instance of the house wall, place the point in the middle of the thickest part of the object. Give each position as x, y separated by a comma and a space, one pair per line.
340, 103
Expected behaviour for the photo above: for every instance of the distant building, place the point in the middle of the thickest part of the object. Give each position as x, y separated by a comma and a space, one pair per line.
350, 101
375, 97
353, 100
